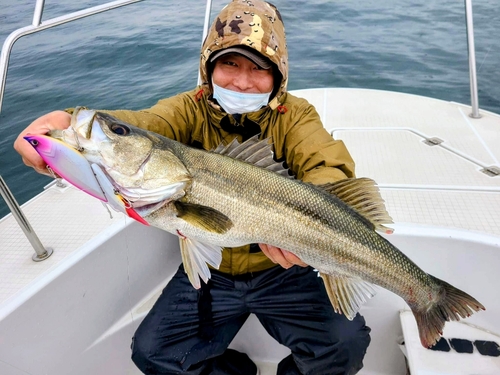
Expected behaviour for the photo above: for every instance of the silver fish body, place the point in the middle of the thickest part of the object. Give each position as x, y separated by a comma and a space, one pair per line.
234, 197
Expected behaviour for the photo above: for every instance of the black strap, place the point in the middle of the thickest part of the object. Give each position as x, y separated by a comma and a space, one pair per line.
205, 329
254, 248
247, 130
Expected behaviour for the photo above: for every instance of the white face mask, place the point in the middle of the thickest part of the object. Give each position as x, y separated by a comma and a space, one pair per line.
238, 102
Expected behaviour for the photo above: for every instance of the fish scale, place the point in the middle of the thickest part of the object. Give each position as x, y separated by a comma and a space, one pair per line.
296, 199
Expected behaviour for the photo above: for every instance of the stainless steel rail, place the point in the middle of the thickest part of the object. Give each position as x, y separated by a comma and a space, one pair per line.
206, 24
37, 25
41, 253
472, 60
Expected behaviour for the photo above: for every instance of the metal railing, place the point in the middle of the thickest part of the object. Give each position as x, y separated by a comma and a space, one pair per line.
206, 24
472, 60
41, 253
37, 25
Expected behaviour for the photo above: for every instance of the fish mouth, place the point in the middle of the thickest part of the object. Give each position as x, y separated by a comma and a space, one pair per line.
82, 132
145, 201
147, 209
69, 136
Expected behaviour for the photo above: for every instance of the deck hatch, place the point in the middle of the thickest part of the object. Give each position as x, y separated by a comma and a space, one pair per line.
491, 171
434, 141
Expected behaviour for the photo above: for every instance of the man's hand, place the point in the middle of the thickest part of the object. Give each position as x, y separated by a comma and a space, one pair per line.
282, 257
42, 125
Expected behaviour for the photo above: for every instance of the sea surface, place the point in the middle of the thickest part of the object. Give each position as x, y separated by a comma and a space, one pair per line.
133, 56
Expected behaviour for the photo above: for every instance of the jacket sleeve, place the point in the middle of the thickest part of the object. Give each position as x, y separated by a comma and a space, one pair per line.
170, 117
311, 152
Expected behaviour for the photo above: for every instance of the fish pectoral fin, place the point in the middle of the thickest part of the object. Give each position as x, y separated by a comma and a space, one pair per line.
203, 217
347, 294
363, 195
195, 256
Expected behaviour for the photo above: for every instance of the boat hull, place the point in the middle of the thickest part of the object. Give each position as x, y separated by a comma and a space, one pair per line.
82, 318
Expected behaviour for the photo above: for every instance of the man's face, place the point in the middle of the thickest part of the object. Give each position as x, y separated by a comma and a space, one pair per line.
237, 73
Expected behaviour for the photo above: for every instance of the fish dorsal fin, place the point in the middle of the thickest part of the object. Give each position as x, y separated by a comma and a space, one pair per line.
224, 150
363, 195
195, 256
347, 294
254, 151
203, 217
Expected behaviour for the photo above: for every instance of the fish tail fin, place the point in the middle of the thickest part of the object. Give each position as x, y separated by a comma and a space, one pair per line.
454, 304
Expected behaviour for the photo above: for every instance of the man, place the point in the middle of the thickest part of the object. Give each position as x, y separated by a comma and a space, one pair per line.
244, 69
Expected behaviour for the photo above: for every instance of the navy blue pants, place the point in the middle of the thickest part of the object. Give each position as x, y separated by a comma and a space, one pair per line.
292, 305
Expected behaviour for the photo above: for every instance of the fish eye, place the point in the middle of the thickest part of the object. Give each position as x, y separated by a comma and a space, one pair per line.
120, 129
34, 142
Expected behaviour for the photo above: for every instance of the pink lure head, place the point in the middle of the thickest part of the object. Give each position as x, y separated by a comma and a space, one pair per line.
75, 168
67, 163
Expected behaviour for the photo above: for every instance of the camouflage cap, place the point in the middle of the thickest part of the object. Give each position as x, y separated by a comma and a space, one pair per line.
253, 25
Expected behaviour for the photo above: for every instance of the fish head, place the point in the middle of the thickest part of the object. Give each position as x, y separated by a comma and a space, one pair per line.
110, 143
131, 169
140, 165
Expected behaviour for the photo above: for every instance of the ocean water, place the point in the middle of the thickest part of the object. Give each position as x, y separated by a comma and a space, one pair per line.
133, 56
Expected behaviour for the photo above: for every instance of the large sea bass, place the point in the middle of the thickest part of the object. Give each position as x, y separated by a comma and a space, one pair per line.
237, 195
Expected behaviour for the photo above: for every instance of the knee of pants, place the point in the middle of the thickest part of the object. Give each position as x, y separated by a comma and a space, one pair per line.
151, 358
141, 353
351, 349
356, 345
355, 338
344, 355
146, 357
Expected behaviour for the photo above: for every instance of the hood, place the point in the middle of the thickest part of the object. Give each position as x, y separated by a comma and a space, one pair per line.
255, 24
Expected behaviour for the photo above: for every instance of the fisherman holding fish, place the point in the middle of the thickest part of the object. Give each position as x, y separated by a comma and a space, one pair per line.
200, 166
244, 71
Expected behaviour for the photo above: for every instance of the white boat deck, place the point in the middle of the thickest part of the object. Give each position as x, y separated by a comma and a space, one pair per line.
440, 185
64, 220
437, 186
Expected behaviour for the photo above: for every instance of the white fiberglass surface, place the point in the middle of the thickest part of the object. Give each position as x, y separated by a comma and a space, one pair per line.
93, 307
64, 220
